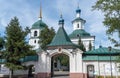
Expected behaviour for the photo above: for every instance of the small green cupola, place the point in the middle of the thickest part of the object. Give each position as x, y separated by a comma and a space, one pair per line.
61, 21
78, 22
78, 12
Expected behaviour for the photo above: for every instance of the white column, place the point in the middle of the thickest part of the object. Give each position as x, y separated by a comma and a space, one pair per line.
72, 63
76, 62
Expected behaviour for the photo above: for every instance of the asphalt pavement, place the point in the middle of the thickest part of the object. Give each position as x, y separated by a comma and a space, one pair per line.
61, 74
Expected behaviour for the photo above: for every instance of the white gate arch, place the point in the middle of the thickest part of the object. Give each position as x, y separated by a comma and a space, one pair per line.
56, 51
43, 68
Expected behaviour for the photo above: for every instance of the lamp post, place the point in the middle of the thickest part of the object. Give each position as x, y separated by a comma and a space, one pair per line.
98, 67
110, 48
104, 70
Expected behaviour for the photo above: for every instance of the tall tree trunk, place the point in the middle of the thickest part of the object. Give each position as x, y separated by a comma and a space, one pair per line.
11, 74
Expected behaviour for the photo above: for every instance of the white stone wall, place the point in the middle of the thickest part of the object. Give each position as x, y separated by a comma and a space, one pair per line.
34, 40
75, 60
75, 25
102, 68
85, 41
32, 32
5, 71
41, 65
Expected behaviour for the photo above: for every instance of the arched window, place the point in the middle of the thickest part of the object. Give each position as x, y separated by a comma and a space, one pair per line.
35, 33
35, 41
77, 25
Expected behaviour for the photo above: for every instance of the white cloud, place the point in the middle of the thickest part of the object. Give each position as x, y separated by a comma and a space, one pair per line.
3, 22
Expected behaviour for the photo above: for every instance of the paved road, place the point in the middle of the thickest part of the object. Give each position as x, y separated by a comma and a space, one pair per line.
61, 74
61, 77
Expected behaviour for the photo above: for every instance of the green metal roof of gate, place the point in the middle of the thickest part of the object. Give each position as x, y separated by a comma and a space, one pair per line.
61, 39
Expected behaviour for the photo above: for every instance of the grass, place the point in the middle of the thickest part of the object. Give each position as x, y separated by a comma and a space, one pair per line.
107, 77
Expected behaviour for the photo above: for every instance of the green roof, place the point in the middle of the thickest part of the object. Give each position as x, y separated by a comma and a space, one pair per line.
80, 32
30, 58
2, 60
102, 51
78, 19
39, 25
61, 38
102, 54
26, 59
99, 58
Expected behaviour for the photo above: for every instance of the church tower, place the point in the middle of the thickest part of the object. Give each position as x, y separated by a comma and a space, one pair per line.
35, 31
80, 33
78, 22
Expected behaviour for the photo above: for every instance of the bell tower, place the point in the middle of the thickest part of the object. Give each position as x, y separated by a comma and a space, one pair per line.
78, 22
36, 30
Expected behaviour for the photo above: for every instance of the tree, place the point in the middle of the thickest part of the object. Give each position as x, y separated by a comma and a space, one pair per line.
90, 46
46, 37
111, 10
64, 59
2, 43
80, 43
16, 47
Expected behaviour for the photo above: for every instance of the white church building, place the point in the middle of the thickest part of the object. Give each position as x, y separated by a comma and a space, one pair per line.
88, 64
96, 62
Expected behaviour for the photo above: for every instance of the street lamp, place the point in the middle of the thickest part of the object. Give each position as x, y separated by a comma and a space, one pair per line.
98, 66
110, 48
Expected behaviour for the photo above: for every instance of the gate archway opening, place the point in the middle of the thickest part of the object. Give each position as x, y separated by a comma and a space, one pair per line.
31, 70
90, 71
60, 65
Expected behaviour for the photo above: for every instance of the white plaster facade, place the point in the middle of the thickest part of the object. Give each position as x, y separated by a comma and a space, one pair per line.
76, 63
5, 71
102, 68
78, 24
86, 41
44, 64
34, 40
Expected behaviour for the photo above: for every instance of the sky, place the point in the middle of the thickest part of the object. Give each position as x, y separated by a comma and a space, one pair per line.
27, 12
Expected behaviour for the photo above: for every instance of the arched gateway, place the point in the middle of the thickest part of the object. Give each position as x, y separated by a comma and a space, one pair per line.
61, 44
44, 69
60, 65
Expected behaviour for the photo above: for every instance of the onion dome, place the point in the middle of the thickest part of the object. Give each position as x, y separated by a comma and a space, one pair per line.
39, 25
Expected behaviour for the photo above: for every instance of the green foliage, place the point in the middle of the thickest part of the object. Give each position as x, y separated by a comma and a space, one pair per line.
105, 77
46, 37
16, 47
64, 60
80, 43
90, 46
2, 43
111, 10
